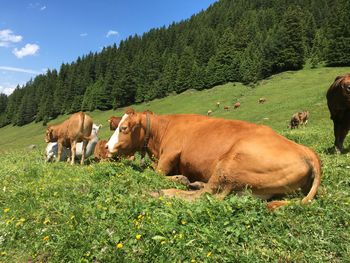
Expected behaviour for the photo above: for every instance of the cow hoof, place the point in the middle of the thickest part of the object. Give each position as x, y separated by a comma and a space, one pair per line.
338, 151
156, 193
273, 205
196, 185
181, 179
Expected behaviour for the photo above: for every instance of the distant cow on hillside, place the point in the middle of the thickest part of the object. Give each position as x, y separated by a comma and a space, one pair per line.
338, 101
299, 118
226, 107
262, 100
237, 105
67, 134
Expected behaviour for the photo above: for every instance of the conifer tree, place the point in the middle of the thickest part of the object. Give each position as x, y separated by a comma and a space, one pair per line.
184, 72
337, 52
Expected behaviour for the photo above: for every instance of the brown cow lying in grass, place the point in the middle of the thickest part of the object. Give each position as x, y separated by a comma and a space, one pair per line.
338, 101
76, 129
224, 155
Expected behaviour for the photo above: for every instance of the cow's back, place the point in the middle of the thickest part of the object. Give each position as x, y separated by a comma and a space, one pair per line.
79, 125
202, 142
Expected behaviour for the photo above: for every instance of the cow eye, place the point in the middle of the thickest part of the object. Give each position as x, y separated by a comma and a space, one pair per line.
123, 128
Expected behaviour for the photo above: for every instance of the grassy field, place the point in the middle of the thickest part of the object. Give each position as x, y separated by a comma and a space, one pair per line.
104, 213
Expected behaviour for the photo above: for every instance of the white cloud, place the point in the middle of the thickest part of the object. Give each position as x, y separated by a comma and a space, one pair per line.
37, 6
83, 34
7, 90
27, 50
22, 70
112, 33
7, 37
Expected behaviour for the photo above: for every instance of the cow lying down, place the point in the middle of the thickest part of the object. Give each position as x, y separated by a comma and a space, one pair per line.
52, 147
225, 156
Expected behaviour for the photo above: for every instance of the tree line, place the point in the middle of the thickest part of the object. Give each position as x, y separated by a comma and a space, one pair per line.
233, 40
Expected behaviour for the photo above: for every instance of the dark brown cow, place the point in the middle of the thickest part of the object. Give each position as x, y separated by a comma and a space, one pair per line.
76, 129
262, 100
113, 122
226, 107
224, 155
338, 101
237, 105
299, 118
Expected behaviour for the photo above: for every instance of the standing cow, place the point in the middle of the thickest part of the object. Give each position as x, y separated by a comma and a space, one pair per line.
52, 147
67, 134
241, 155
338, 101
299, 118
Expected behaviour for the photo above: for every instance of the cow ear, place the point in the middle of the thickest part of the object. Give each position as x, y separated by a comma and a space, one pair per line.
130, 111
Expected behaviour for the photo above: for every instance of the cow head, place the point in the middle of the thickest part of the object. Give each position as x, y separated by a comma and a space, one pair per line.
345, 84
49, 137
129, 135
95, 129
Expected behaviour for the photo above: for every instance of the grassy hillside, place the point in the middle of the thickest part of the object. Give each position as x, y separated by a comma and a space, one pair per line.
285, 93
104, 213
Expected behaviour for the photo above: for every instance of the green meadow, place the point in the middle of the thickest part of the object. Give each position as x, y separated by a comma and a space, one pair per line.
102, 212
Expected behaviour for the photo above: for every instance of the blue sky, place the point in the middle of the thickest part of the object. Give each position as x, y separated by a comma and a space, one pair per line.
40, 35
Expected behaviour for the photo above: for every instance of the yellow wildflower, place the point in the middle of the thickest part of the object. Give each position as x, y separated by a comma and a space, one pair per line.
138, 237
140, 216
6, 210
183, 222
163, 242
193, 261
3, 253
119, 245
209, 254
20, 221
46, 221
46, 238
10, 221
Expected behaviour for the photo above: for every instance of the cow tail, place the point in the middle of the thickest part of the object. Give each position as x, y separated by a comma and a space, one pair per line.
82, 116
315, 166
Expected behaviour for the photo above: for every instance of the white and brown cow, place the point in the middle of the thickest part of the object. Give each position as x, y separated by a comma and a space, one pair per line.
224, 155
298, 119
67, 134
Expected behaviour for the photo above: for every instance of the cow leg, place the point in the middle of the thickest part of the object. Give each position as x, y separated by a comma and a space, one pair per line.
73, 150
340, 133
167, 162
59, 151
183, 194
83, 152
